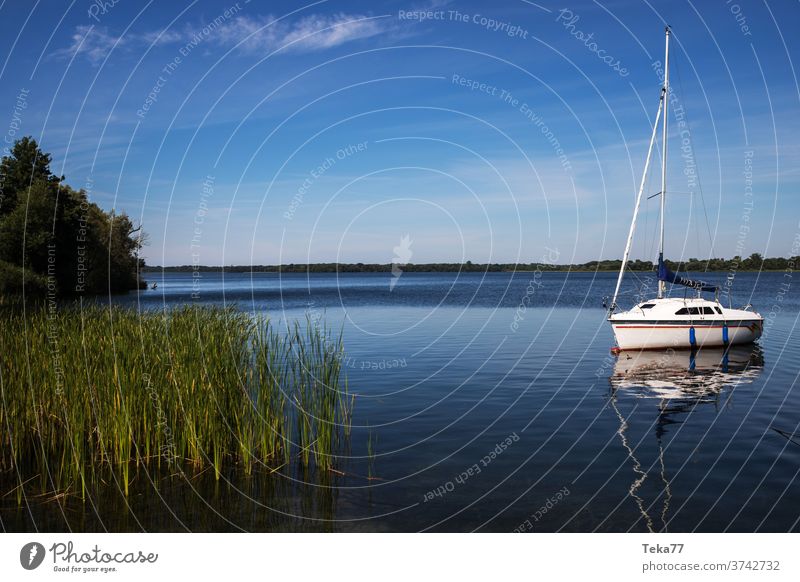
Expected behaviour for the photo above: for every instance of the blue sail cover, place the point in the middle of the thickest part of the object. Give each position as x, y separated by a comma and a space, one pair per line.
664, 274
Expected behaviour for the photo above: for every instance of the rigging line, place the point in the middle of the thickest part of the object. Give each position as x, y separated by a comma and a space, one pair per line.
644, 239
646, 228
647, 251
652, 251
696, 164
642, 287
643, 284
693, 218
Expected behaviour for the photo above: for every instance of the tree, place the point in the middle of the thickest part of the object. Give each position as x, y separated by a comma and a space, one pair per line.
18, 171
26, 233
123, 246
53, 237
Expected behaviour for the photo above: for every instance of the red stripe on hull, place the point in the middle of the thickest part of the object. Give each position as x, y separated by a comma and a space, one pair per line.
679, 326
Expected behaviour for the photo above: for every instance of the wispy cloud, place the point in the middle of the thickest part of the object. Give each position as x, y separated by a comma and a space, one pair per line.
91, 43
250, 34
311, 33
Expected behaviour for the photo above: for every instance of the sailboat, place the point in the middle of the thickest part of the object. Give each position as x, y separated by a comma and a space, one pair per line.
672, 322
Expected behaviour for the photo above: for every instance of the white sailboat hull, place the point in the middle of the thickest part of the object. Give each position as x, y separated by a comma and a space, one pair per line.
684, 323
657, 335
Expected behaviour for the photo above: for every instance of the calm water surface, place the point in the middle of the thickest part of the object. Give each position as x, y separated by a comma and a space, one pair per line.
492, 403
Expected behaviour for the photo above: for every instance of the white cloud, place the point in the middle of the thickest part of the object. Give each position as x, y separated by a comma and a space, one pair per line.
90, 42
310, 33
317, 33
252, 34
158, 38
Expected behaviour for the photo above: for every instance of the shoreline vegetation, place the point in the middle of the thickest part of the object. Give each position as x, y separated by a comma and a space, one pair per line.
93, 396
96, 395
754, 262
56, 242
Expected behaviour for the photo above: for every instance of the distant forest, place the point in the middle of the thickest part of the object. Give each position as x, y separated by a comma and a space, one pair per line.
754, 262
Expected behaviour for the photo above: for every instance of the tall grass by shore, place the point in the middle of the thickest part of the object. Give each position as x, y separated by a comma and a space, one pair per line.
98, 393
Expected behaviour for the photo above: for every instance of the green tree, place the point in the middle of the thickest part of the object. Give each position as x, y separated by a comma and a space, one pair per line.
53, 237
25, 165
27, 232
753, 262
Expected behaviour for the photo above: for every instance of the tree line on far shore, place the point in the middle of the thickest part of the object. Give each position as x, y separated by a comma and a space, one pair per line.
754, 262
53, 240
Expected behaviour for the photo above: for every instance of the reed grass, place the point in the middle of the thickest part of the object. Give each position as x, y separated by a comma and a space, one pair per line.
371, 456
98, 393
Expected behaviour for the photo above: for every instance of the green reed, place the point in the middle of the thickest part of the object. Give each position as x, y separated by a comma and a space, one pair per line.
95, 393
371, 456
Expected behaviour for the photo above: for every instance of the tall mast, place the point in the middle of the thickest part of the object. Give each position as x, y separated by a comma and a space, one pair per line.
661, 284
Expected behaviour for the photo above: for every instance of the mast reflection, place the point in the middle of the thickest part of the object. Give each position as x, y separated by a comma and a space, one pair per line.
677, 381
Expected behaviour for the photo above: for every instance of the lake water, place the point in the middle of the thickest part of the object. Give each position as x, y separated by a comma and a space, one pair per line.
492, 403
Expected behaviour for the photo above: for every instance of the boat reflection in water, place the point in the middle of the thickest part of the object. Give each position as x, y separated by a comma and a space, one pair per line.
677, 382
699, 376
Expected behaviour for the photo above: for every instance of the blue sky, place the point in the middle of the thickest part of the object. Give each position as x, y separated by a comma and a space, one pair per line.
263, 133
